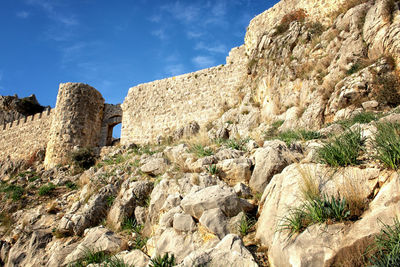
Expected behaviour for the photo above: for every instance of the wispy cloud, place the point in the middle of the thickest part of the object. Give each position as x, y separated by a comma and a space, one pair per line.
22, 14
160, 33
186, 13
203, 61
217, 48
194, 34
50, 8
175, 69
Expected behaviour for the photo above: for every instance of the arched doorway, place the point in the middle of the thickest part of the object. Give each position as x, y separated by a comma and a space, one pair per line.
111, 134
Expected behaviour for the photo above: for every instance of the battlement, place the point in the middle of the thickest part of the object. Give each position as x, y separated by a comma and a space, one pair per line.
20, 120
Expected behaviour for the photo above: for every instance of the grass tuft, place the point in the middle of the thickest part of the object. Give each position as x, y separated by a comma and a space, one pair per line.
387, 246
342, 150
387, 144
200, 151
245, 225
131, 225
163, 261
46, 189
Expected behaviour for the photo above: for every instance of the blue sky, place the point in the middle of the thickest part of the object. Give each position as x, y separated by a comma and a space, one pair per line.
114, 45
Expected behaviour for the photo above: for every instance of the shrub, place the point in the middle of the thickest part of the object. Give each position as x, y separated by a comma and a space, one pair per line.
296, 15
342, 150
163, 261
14, 192
387, 246
200, 151
315, 28
46, 189
83, 158
387, 144
71, 185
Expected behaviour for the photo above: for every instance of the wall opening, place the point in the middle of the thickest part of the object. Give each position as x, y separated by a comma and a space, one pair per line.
113, 130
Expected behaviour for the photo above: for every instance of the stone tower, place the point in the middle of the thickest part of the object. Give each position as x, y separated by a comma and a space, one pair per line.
76, 122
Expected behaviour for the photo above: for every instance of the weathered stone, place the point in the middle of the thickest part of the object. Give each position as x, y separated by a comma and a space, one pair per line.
209, 198
228, 154
269, 160
183, 222
155, 166
134, 258
140, 214
230, 251
215, 221
242, 190
235, 170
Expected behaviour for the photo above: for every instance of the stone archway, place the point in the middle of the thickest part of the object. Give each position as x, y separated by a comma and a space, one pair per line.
111, 123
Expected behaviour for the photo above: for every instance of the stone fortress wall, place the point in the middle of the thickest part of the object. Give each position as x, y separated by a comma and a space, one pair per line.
23, 137
159, 108
81, 118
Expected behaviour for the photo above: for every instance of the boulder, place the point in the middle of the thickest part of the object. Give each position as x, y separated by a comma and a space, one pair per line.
269, 160
155, 166
235, 170
98, 239
215, 221
210, 198
183, 222
134, 258
230, 251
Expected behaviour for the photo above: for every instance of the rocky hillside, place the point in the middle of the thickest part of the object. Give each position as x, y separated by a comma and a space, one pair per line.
13, 107
302, 172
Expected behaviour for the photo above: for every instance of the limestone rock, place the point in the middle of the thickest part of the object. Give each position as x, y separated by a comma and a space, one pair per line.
242, 190
155, 166
135, 258
215, 221
183, 222
269, 160
98, 238
235, 170
230, 251
209, 198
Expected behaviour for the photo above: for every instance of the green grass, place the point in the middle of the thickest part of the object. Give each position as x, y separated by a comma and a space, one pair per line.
14, 192
110, 200
71, 185
387, 144
343, 150
131, 225
314, 211
213, 169
200, 151
46, 189
140, 242
245, 225
92, 256
291, 136
362, 118
163, 261
387, 246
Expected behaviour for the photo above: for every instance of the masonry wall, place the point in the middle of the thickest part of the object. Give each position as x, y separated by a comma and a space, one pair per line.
160, 107
23, 137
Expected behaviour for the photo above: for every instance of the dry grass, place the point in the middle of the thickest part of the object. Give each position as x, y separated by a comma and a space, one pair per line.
352, 191
309, 186
199, 139
346, 6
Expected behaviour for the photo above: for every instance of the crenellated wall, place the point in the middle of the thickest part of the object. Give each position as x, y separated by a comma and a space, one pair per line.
23, 137
160, 107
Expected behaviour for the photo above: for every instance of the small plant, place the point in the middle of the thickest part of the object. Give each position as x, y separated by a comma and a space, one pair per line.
387, 144
213, 169
290, 136
362, 118
140, 242
237, 144
110, 200
131, 225
315, 28
387, 88
46, 189
200, 151
273, 130
14, 192
90, 256
163, 261
343, 150
387, 246
245, 225
71, 185
314, 211
83, 158
33, 178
